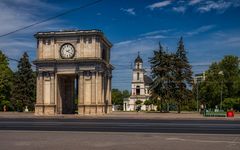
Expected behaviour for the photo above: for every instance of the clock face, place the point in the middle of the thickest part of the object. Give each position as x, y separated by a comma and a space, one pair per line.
67, 51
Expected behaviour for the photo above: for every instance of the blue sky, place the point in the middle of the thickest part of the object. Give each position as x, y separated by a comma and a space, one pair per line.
210, 28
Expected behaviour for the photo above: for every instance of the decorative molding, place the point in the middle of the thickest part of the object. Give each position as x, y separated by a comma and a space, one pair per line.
87, 75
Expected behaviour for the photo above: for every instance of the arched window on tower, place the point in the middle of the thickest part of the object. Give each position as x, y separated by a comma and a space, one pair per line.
138, 76
137, 65
138, 90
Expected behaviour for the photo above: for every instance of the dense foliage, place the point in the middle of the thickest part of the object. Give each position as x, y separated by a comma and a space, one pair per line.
118, 96
5, 82
222, 80
172, 75
183, 77
23, 90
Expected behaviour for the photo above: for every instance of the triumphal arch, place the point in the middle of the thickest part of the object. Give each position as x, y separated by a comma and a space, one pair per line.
73, 73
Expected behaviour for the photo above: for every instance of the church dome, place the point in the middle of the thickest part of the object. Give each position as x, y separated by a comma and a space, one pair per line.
138, 59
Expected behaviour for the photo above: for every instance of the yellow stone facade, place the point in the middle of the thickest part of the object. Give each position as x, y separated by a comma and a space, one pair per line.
79, 84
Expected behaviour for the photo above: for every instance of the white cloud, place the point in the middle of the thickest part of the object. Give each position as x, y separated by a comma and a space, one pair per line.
233, 41
145, 36
156, 37
201, 6
180, 9
20, 13
17, 14
194, 2
129, 11
124, 43
159, 4
220, 5
156, 32
200, 30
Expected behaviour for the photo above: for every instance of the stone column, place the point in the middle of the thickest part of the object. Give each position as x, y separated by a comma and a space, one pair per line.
108, 95
80, 93
93, 97
97, 88
110, 90
103, 89
72, 100
52, 88
39, 110
46, 88
39, 89
99, 91
48, 94
93, 108
60, 90
56, 90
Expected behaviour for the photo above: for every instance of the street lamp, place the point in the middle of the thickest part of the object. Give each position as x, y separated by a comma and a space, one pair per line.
197, 97
221, 73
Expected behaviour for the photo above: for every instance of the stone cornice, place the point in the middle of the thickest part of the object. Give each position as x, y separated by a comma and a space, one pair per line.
72, 61
143, 70
138, 82
72, 33
138, 96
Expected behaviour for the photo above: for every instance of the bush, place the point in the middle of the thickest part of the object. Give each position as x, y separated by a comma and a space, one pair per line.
8, 105
190, 105
147, 102
138, 102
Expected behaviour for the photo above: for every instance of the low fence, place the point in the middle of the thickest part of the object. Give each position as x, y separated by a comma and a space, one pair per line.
215, 114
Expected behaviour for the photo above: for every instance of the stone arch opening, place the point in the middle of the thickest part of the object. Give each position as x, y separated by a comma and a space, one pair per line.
138, 90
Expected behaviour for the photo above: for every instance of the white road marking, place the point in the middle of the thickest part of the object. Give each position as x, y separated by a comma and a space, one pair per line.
202, 141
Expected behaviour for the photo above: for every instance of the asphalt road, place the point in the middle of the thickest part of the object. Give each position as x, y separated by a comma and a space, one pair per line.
122, 125
67, 140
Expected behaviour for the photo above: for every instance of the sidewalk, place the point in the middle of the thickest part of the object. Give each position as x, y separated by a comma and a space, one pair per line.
124, 115
172, 115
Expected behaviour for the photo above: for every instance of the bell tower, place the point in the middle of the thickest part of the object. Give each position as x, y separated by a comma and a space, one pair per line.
138, 77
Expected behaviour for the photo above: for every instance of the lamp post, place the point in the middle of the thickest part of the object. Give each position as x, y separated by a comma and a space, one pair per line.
221, 73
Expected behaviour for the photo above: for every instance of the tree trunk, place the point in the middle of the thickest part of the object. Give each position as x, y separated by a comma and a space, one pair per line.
161, 109
179, 108
167, 107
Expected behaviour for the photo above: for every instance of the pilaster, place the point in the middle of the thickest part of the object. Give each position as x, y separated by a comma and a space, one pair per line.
52, 89
39, 88
93, 84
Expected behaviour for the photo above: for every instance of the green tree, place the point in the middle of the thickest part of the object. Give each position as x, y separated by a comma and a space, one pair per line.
5, 82
183, 75
147, 103
230, 69
223, 76
117, 97
23, 93
231, 103
125, 94
162, 74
